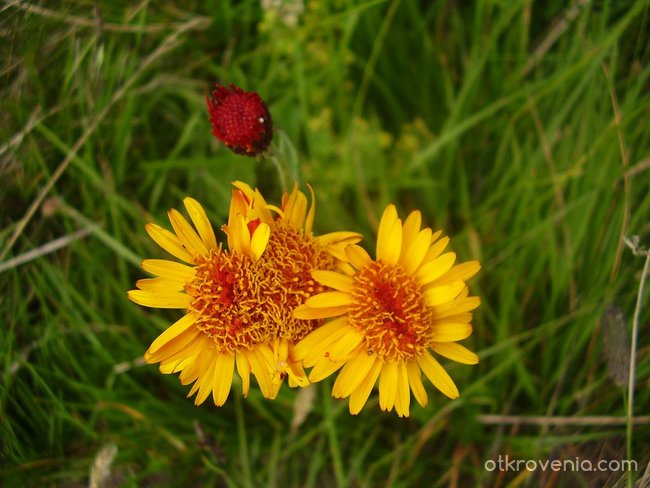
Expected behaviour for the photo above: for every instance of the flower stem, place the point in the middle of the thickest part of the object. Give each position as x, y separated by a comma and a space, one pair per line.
283, 156
243, 446
282, 169
335, 449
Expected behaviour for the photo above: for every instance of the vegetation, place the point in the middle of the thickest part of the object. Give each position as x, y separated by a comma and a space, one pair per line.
519, 127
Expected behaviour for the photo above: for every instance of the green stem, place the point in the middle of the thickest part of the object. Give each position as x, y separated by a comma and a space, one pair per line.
335, 449
243, 447
284, 157
282, 169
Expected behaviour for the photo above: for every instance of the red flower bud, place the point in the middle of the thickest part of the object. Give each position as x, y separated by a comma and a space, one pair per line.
240, 120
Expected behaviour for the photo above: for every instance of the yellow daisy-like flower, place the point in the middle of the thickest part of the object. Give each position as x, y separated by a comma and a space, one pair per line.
390, 313
224, 325
292, 253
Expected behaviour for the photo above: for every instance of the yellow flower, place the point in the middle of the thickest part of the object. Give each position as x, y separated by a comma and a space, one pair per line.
390, 313
292, 253
224, 325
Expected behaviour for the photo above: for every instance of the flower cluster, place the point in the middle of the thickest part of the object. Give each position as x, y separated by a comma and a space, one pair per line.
239, 301
275, 299
279, 299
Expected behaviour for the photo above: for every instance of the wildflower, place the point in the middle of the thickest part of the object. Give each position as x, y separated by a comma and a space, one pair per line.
223, 327
240, 120
292, 253
390, 313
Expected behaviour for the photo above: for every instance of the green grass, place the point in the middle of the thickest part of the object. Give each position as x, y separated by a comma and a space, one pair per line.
520, 128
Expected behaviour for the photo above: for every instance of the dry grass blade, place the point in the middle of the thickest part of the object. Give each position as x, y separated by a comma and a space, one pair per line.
84, 22
48, 248
558, 28
592, 420
101, 468
167, 45
302, 406
615, 344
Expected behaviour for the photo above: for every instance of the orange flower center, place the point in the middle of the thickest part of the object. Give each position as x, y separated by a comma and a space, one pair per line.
289, 259
226, 291
241, 302
388, 307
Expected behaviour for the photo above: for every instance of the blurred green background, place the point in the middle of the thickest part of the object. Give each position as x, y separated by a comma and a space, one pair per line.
518, 127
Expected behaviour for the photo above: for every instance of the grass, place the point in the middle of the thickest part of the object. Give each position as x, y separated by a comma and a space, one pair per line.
518, 127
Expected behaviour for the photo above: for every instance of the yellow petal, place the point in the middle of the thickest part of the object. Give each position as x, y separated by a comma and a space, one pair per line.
462, 271
357, 256
318, 336
201, 222
259, 240
295, 210
329, 299
345, 268
412, 226
389, 236
436, 249
437, 375
338, 249
174, 349
461, 318
450, 332
261, 362
173, 331
307, 313
169, 242
254, 204
239, 204
170, 270
186, 235
455, 352
436, 268
184, 346
277, 210
156, 299
435, 235
333, 279
159, 285
244, 371
359, 397
205, 384
415, 381
280, 349
241, 236
222, 377
443, 294
194, 388
456, 307
338, 238
353, 374
200, 365
388, 386
168, 367
413, 251
403, 395
323, 368
319, 350
296, 373
309, 222
341, 349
